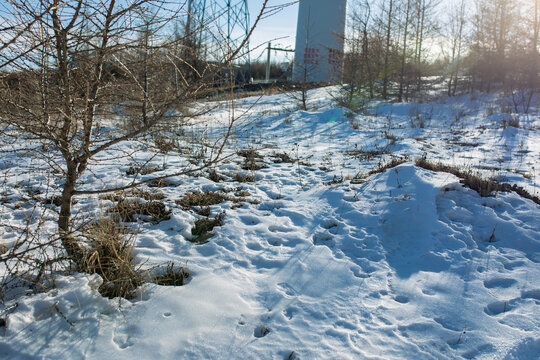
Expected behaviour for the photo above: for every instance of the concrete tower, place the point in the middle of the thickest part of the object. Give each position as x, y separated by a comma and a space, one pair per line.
319, 41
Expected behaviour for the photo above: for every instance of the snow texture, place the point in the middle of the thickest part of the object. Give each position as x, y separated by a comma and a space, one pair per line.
405, 264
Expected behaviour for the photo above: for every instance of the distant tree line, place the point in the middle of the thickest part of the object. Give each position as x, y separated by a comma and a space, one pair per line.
398, 48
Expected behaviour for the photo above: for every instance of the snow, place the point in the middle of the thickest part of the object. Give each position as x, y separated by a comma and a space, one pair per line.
406, 264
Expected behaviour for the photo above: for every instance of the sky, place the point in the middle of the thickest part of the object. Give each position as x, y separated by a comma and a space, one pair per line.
280, 29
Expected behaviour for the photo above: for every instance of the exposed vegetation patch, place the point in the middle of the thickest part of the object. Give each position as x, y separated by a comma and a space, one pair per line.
250, 154
484, 187
465, 144
53, 200
335, 180
171, 276
165, 145
204, 211
382, 166
513, 121
136, 193
203, 227
283, 157
35, 194
214, 176
127, 210
202, 199
253, 165
142, 169
109, 253
252, 160
206, 199
366, 155
161, 183
243, 177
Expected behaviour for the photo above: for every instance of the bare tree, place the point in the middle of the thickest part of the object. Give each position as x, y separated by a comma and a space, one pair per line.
387, 48
404, 50
455, 29
73, 63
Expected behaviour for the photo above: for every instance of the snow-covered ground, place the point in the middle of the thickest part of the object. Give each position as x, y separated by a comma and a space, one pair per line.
320, 263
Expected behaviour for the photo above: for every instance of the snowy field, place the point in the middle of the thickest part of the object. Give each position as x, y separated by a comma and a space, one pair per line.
321, 260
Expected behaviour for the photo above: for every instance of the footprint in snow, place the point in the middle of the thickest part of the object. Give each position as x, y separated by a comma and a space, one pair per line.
401, 299
261, 331
357, 272
286, 288
497, 307
330, 223
290, 312
278, 228
122, 337
499, 283
531, 294
250, 220
323, 239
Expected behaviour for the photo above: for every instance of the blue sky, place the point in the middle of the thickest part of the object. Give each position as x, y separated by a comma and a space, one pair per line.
279, 28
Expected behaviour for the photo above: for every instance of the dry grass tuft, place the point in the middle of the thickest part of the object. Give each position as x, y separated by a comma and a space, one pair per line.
127, 210
3, 248
172, 276
161, 183
366, 155
202, 199
283, 158
240, 177
110, 255
382, 166
253, 165
252, 160
136, 193
484, 187
214, 176
143, 169
203, 227
250, 154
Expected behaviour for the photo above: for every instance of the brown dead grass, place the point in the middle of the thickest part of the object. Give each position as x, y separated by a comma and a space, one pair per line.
202, 199
110, 254
484, 187
127, 210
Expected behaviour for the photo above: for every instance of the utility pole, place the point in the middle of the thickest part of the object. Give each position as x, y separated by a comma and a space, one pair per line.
267, 79
269, 48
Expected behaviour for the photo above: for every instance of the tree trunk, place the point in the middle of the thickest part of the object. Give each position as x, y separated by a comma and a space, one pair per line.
387, 51
534, 77
420, 41
404, 53
69, 242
